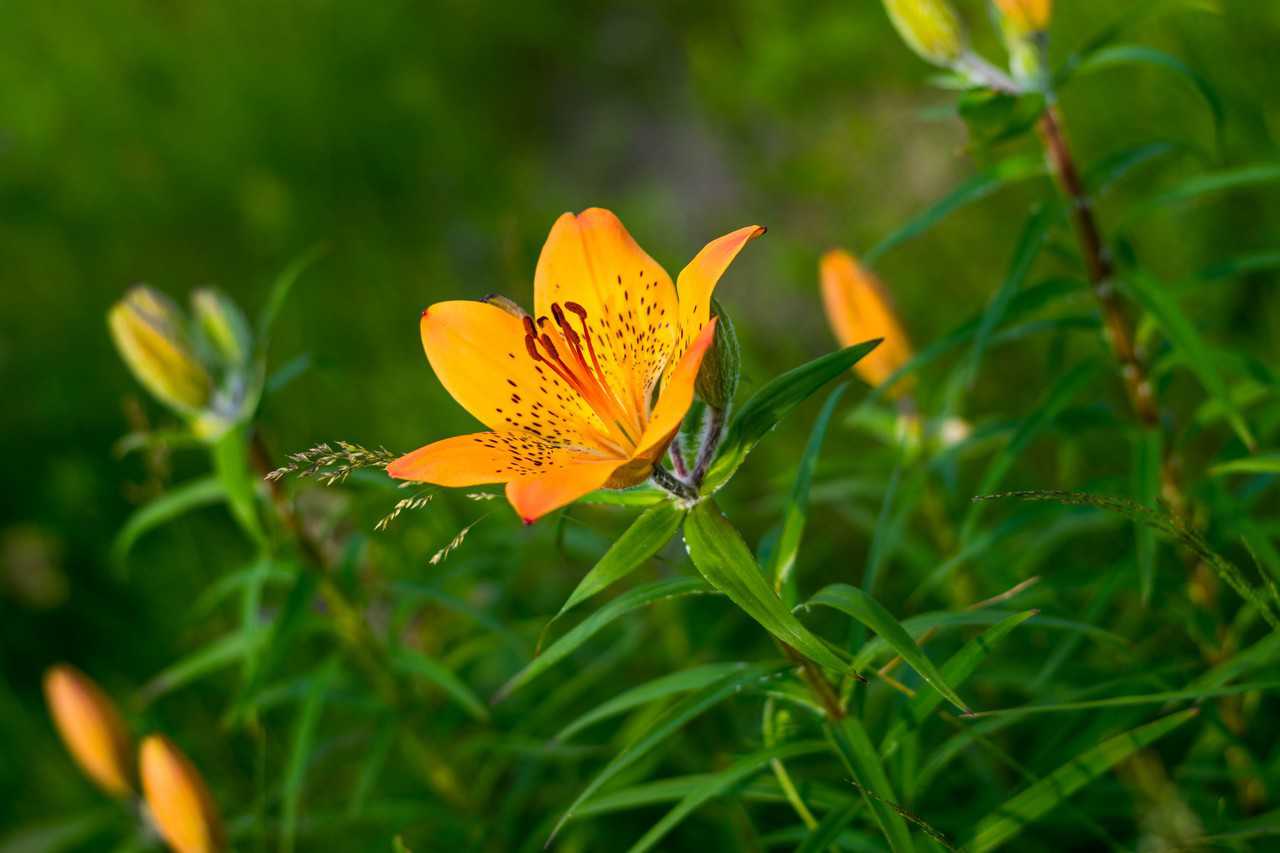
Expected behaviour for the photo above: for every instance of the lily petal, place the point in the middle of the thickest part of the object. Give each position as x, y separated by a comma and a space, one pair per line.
534, 497
677, 395
486, 457
698, 280
478, 352
591, 259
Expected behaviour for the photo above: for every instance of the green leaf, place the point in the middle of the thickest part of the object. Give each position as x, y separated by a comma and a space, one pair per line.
191, 495
975, 189
955, 671
1209, 184
651, 691
63, 833
1105, 173
223, 651
717, 783
667, 724
1063, 391
1013, 815
863, 762
854, 602
719, 553
1136, 54
823, 836
593, 624
1148, 458
1194, 694
413, 662
1266, 463
643, 495
994, 117
644, 538
304, 735
1030, 242
797, 511
1185, 338
772, 403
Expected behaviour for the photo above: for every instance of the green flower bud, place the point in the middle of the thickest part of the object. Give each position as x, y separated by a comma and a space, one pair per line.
717, 381
150, 333
222, 327
931, 28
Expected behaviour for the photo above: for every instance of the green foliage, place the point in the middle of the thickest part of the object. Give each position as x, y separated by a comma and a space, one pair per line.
1088, 663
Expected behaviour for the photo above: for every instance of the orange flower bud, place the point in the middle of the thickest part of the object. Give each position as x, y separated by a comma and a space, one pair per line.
91, 728
1026, 16
859, 309
180, 804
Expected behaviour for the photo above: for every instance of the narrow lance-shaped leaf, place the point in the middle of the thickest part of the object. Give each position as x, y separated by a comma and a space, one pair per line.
718, 783
670, 722
644, 538
975, 189
413, 662
671, 684
863, 762
1014, 815
719, 553
797, 512
189, 496
955, 671
854, 602
772, 403
1183, 335
304, 736
593, 624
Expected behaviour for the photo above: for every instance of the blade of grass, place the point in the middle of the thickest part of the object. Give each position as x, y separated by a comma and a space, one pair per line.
1011, 817
304, 735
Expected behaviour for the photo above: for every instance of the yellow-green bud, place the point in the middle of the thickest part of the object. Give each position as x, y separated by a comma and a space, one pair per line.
177, 799
929, 27
222, 326
149, 331
717, 381
1024, 24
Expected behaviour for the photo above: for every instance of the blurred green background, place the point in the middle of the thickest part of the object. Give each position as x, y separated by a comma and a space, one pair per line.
428, 147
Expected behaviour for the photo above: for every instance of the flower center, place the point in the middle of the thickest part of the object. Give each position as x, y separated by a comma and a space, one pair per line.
580, 368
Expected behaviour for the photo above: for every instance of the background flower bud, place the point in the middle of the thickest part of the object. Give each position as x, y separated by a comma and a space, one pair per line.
222, 327
929, 27
180, 804
91, 728
149, 331
718, 376
859, 309
1026, 17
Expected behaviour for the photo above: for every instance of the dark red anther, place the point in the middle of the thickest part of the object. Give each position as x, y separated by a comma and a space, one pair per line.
558, 313
550, 347
576, 309
528, 326
532, 346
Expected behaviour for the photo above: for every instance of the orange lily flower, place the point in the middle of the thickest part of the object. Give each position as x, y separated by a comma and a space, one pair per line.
858, 308
587, 392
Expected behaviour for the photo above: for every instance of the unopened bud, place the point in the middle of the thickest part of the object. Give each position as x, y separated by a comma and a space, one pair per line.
859, 309
179, 803
929, 27
149, 331
717, 381
222, 327
91, 728
1026, 17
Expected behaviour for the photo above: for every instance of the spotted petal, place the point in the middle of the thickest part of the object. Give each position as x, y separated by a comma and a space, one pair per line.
630, 303
676, 397
488, 457
698, 280
477, 350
